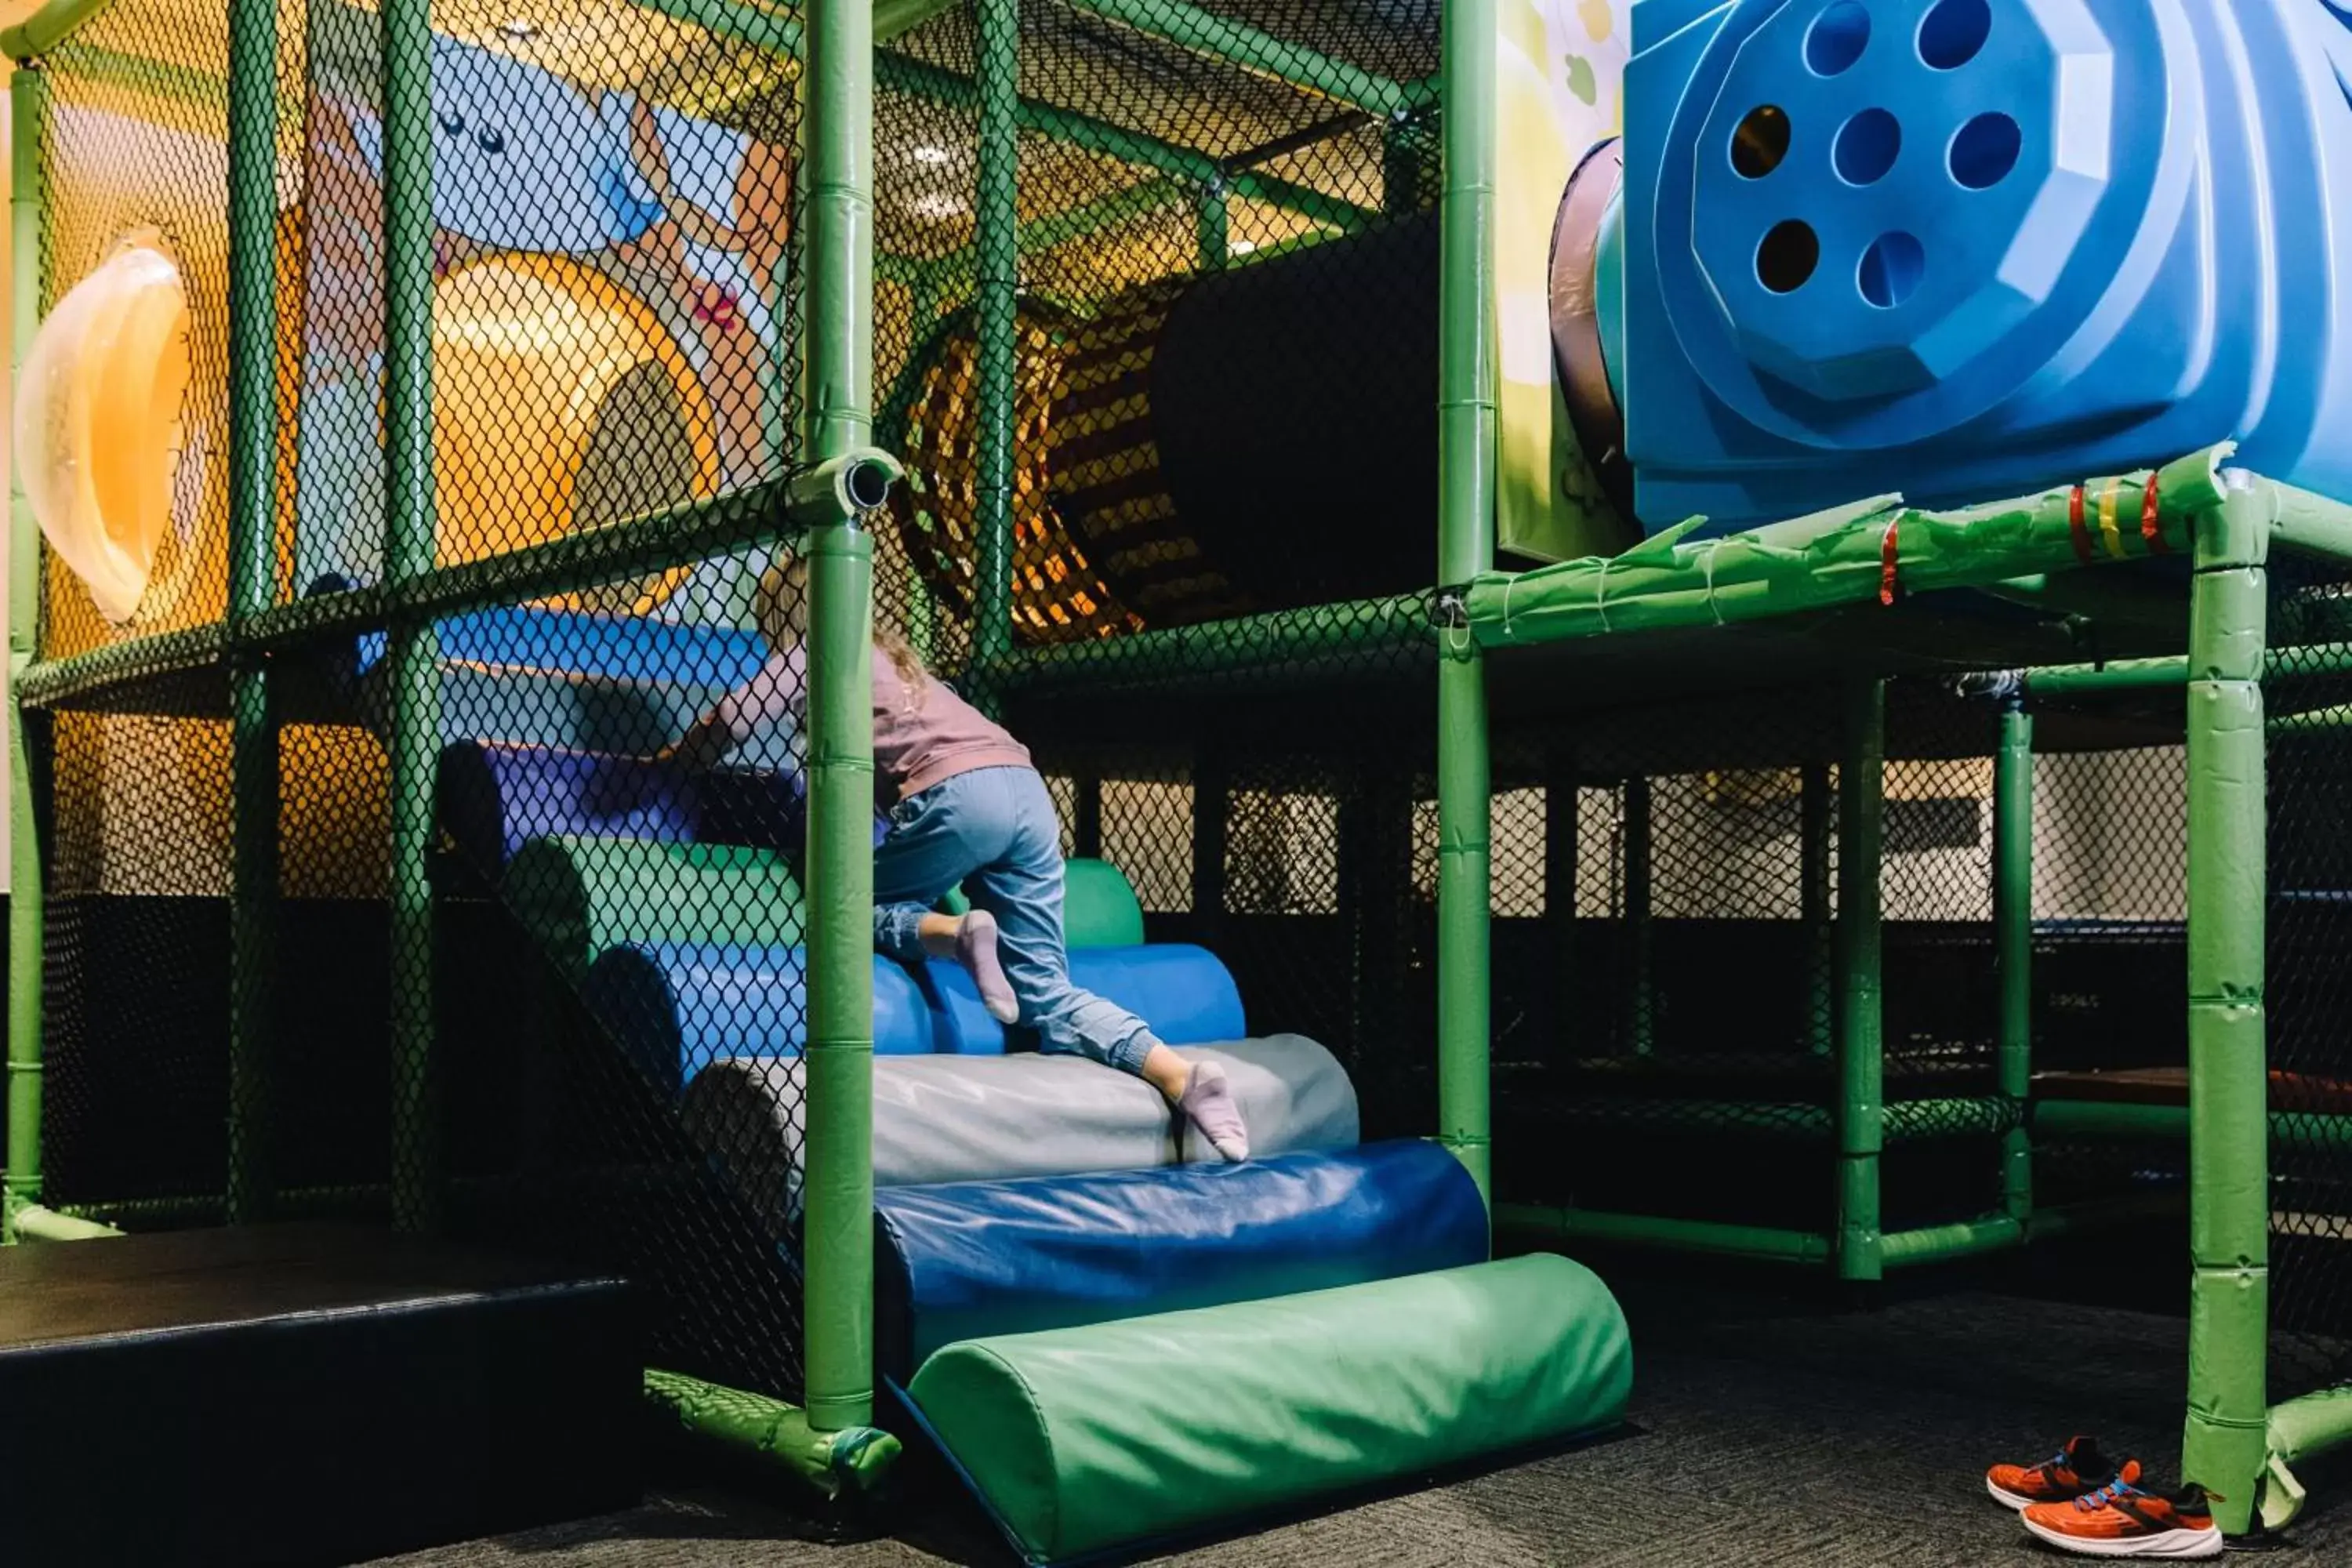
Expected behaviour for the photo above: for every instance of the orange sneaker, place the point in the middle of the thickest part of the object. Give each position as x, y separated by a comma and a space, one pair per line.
2121, 1521
2074, 1469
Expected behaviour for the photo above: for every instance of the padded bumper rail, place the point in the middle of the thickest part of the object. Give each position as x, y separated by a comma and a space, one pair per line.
963, 1118
1090, 1439
972, 1260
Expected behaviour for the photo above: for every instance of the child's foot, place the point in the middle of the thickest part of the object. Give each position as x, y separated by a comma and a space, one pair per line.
1209, 1100
976, 951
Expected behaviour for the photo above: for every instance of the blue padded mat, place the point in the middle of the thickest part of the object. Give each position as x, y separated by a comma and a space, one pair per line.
967, 1259
1184, 993
675, 1007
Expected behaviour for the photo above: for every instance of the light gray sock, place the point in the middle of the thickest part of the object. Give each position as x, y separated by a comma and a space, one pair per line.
976, 951
1209, 1101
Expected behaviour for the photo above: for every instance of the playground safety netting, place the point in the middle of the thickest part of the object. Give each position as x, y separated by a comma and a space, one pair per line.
1218, 642
1671, 1049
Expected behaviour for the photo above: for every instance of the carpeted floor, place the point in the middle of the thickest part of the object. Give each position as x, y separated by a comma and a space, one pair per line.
1767, 1429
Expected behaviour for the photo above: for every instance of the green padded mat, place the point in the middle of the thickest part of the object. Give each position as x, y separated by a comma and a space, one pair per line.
1083, 1440
580, 895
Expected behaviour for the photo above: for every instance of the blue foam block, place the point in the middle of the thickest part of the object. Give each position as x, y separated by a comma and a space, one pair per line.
675, 1007
495, 797
1184, 993
966, 1259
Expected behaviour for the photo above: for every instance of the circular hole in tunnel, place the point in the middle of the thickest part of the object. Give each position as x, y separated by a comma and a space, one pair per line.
1985, 151
1837, 37
1759, 142
1788, 256
1866, 146
1891, 269
1952, 32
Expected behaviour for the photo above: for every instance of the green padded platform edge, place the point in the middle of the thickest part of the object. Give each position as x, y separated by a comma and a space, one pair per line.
1079, 1440
579, 896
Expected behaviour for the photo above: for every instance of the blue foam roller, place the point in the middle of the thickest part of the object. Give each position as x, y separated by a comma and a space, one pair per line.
971, 1260
676, 1008
1184, 993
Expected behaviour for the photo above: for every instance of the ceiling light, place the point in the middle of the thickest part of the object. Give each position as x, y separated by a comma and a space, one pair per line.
1241, 247
938, 205
934, 156
520, 30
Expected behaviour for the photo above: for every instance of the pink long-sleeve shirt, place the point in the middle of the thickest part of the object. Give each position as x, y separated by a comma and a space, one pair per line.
922, 734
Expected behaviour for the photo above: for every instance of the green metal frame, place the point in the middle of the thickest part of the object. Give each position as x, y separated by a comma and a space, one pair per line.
252, 586
2224, 1446
28, 732
2232, 1442
1466, 392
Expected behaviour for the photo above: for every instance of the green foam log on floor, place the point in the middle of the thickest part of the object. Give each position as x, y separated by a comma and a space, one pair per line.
580, 896
1084, 1439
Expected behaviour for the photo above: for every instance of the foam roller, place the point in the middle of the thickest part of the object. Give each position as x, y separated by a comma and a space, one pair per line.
1082, 1441
959, 1119
679, 1006
1184, 993
580, 895
971, 1260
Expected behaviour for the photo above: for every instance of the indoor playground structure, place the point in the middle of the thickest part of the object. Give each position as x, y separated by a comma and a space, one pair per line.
1608, 593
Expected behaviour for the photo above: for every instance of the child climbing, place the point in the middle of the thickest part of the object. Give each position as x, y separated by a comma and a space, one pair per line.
966, 809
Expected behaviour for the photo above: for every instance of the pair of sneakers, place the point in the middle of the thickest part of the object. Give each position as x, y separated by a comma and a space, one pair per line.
2079, 1501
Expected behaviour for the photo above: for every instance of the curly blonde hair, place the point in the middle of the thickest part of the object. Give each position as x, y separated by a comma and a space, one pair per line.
780, 609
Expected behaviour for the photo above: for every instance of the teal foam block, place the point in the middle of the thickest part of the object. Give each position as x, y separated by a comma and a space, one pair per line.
1082, 1440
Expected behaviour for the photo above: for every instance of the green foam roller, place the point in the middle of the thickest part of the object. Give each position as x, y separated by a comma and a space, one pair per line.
1084, 1439
580, 896
1099, 907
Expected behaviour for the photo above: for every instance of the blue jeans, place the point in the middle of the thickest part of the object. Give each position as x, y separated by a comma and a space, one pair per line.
994, 832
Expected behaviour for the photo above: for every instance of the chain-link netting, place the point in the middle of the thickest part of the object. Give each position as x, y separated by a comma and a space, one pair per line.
1223, 409
1683, 1024
2308, 984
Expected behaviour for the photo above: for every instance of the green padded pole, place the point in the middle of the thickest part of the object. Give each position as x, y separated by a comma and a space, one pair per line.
1862, 780
839, 1243
2229, 1217
1214, 222
253, 570
997, 252
1813, 863
413, 743
1641, 862
28, 732
2013, 943
1465, 547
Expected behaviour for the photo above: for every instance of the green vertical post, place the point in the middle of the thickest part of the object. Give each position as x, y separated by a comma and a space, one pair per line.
1860, 1109
2228, 1209
839, 1242
1562, 830
1641, 981
996, 255
28, 732
1467, 391
1813, 907
1214, 220
253, 982
412, 658
2013, 941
